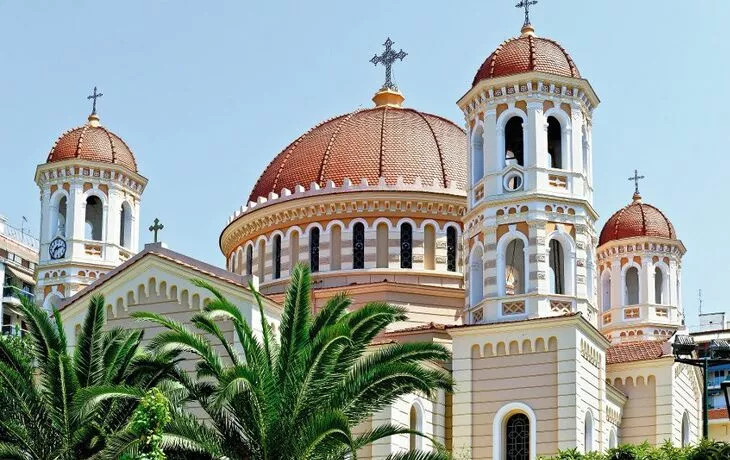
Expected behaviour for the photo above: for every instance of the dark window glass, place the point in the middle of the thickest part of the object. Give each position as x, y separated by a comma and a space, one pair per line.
517, 433
314, 250
451, 249
557, 266
249, 260
358, 246
406, 246
277, 257
513, 142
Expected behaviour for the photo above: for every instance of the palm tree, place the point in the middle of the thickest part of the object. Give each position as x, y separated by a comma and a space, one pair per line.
45, 402
301, 396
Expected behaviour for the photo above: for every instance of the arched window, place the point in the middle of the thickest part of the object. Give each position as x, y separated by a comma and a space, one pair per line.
514, 268
606, 290
276, 257
93, 218
358, 246
415, 423
612, 440
293, 249
476, 278
429, 247
477, 155
249, 259
557, 267
125, 226
406, 245
514, 142
336, 247
451, 249
588, 432
60, 227
262, 260
381, 250
631, 286
555, 146
314, 249
659, 286
517, 437
685, 430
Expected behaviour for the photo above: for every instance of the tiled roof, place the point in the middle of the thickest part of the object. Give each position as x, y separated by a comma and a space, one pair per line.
634, 351
93, 143
637, 219
421, 327
717, 414
527, 53
383, 141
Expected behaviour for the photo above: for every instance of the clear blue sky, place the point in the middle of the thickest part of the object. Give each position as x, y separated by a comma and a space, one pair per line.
206, 93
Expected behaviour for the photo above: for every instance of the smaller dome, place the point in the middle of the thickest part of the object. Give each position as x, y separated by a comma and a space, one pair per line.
93, 142
527, 53
637, 219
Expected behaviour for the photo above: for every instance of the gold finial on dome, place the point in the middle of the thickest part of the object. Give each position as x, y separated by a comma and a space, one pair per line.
388, 97
527, 31
94, 120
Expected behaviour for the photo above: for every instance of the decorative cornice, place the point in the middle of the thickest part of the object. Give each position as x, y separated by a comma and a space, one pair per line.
68, 170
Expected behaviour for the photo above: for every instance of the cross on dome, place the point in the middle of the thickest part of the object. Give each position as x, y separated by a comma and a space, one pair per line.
526, 4
387, 59
94, 96
636, 177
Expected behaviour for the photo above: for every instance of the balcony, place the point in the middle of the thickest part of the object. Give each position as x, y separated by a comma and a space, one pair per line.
12, 295
641, 313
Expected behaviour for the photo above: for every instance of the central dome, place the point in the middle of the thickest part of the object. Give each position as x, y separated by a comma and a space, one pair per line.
527, 53
637, 219
384, 141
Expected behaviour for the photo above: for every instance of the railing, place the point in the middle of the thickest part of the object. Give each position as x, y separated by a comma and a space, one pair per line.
16, 292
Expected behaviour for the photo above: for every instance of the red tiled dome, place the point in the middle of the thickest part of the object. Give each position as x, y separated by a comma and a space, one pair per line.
637, 219
382, 141
93, 142
527, 53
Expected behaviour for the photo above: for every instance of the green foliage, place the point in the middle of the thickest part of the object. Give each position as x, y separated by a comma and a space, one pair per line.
148, 421
705, 450
56, 405
297, 396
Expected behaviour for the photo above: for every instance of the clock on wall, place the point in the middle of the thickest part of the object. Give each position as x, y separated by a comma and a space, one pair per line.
57, 248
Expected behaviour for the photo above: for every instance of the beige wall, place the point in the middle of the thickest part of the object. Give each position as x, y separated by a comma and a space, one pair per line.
639, 416
720, 431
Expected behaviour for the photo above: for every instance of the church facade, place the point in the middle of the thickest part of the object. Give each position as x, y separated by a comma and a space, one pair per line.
486, 234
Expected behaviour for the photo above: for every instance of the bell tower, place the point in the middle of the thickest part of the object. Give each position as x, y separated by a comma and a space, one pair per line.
530, 225
90, 203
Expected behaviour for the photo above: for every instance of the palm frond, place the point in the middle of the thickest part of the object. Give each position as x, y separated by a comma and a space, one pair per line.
89, 351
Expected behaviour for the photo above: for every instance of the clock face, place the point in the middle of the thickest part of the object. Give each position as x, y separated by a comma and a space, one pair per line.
57, 248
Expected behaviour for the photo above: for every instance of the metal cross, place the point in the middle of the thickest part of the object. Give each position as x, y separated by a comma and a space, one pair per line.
94, 96
387, 59
157, 227
636, 180
526, 4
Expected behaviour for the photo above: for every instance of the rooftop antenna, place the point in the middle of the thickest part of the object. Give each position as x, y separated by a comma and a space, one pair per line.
699, 297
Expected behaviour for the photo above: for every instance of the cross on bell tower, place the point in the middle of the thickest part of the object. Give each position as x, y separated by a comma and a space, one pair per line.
636, 177
526, 4
94, 96
387, 59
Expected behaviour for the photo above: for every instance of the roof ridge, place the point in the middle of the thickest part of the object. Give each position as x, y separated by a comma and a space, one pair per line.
111, 143
438, 145
344, 120
382, 141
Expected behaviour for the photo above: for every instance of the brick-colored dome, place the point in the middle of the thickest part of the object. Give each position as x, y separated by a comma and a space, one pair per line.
382, 141
93, 142
527, 53
637, 219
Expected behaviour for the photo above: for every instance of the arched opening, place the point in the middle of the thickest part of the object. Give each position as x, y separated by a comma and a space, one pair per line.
588, 432
59, 226
262, 259
514, 142
415, 423
476, 276
336, 247
358, 246
93, 218
314, 249
606, 290
685, 430
381, 249
557, 267
125, 226
631, 286
429, 247
517, 437
406, 245
276, 257
514, 272
451, 249
555, 143
659, 286
612, 440
293, 249
249, 259
477, 155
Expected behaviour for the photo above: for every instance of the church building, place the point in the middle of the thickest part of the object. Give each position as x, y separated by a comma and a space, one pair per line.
486, 233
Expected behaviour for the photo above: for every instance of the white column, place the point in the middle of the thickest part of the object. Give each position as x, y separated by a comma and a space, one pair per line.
646, 282
536, 130
617, 283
